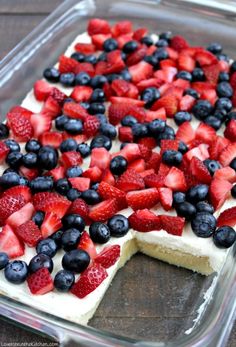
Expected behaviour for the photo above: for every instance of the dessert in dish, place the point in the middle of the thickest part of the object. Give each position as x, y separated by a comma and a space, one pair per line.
128, 144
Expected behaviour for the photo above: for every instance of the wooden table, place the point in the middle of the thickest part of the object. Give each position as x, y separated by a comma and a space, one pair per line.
127, 306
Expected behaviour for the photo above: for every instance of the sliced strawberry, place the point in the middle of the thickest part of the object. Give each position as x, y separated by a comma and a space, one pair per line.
85, 67
71, 109
212, 72
131, 152
226, 173
205, 133
100, 157
124, 100
186, 103
228, 154
120, 87
108, 177
4, 150
178, 43
140, 33
85, 48
217, 147
106, 191
199, 170
21, 111
130, 180
30, 174
116, 112
144, 221
146, 152
20, 126
154, 180
52, 202
186, 63
154, 162
151, 82
140, 199
67, 64
93, 173
121, 28
10, 204
198, 152
42, 90
146, 173
10, 244
166, 198
21, 216
125, 134
40, 282
227, 217
81, 93
89, 280
230, 130
69, 159
98, 26
80, 183
219, 191
51, 138
57, 95
41, 123
87, 245
170, 104
136, 56
91, 126
19, 190
57, 173
137, 165
103, 211
169, 145
210, 95
148, 142
80, 207
173, 225
141, 71
29, 233
123, 39
51, 107
175, 180
108, 256
163, 169
51, 223
205, 58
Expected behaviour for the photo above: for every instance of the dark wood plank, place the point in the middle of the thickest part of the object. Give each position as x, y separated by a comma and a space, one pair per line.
28, 6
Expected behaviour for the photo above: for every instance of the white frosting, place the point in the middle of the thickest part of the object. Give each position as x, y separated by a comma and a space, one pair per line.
80, 310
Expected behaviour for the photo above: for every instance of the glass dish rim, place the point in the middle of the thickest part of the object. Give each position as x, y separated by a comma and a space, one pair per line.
65, 330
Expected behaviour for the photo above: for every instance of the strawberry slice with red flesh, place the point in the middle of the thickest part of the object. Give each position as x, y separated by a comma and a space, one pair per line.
10, 244
212, 72
154, 180
85, 67
51, 138
21, 216
100, 157
104, 210
166, 198
51, 108
186, 63
136, 56
80, 207
130, 180
115, 63
85, 48
116, 112
57, 173
80, 183
50, 225
108, 177
158, 114
57, 95
154, 162
228, 154
219, 191
121, 28
81, 93
226, 173
106, 191
41, 123
89, 280
131, 152
42, 90
29, 233
173, 225
30, 174
186, 103
144, 221
108, 256
167, 145
138, 165
163, 169
175, 180
199, 170
98, 26
20, 126
120, 87
146, 152
148, 142
19, 190
40, 282
93, 173
91, 126
205, 133
230, 130
140, 199
178, 43
53, 202
10, 204
73, 110
169, 102
146, 173
140, 33
227, 217
4, 150
125, 134
196, 152
185, 133
205, 58
140, 71
69, 159
124, 100
87, 245
67, 64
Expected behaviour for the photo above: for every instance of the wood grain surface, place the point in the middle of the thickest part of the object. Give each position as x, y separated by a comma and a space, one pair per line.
147, 299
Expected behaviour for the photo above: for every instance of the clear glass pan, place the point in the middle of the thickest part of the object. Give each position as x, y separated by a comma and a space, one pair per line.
209, 301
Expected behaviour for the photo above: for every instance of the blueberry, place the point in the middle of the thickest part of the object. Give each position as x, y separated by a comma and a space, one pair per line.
102, 57
9, 180
68, 99
16, 272
101, 141
73, 126
202, 109
215, 48
224, 90
4, 260
4, 131
57, 237
23, 181
186, 210
14, 159
223, 57
183, 148
10, 170
224, 103
32, 146
178, 198
68, 145
140, 130
224, 237
67, 79
230, 116
212, 165
96, 107
118, 165
90, 196
73, 194
171, 157
30, 160
118, 225
74, 171
110, 45
112, 77
12, 145
198, 74
233, 164
38, 218
204, 224
130, 47
47, 246
167, 35
102, 118
162, 43
184, 75
128, 121
197, 193
70, 239
147, 40
150, 95
203, 206
64, 280
47, 158
220, 114
76, 260
223, 77
40, 261
90, 58
108, 130
74, 221
51, 74
99, 232
167, 134
98, 81
98, 95
214, 122
125, 75
78, 57
62, 186
152, 60
161, 54
95, 186
181, 117
192, 92
41, 184
84, 149
233, 191
157, 126
233, 67
82, 79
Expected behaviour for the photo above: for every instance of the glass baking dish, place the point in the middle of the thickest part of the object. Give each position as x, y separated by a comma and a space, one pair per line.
192, 310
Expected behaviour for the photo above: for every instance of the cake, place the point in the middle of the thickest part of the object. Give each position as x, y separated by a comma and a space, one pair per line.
132, 138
